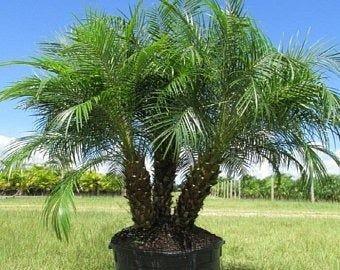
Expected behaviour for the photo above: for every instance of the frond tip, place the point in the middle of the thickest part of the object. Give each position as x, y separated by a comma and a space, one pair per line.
236, 7
58, 208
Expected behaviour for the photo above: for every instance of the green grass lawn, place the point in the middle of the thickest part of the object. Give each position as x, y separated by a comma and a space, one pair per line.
258, 234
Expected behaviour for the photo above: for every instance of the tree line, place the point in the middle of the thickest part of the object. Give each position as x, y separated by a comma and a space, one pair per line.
282, 187
41, 180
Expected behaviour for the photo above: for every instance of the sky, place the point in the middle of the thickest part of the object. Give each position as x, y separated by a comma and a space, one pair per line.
25, 23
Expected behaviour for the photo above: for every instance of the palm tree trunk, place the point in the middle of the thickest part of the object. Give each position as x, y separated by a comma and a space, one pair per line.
202, 177
138, 192
272, 189
312, 193
164, 180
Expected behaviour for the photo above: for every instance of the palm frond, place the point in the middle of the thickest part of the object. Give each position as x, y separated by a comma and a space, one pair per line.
58, 206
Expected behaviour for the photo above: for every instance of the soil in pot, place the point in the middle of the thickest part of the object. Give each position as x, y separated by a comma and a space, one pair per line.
166, 248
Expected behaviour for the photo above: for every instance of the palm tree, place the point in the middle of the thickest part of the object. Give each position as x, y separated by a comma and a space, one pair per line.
88, 103
240, 100
195, 87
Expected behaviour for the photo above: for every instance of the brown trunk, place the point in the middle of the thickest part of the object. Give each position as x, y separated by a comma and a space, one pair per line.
164, 179
197, 187
138, 192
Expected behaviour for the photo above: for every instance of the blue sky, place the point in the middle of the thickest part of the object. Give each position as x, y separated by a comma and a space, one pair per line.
25, 23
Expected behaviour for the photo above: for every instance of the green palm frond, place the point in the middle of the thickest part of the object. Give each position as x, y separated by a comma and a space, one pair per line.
235, 7
22, 150
80, 112
58, 207
60, 204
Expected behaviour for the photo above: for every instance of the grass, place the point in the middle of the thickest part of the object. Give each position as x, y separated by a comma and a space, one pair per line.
259, 234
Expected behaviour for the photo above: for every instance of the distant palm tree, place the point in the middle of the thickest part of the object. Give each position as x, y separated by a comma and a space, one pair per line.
194, 86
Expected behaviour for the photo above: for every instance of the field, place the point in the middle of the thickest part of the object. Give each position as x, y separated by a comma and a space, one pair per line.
258, 234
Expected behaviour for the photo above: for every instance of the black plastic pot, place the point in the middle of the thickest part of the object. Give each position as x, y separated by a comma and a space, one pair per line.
207, 258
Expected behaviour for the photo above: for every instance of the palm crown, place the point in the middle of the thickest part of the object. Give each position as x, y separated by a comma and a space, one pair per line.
192, 85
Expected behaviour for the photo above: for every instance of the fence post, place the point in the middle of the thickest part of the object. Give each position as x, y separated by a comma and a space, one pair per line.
272, 184
224, 185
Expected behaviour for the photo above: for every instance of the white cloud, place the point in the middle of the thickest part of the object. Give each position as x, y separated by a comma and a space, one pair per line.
5, 141
38, 158
261, 170
330, 164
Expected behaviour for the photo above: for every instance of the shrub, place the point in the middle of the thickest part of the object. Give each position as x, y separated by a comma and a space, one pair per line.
96, 183
13, 184
250, 187
40, 180
328, 188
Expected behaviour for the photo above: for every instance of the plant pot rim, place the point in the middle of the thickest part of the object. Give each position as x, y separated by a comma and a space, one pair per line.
216, 244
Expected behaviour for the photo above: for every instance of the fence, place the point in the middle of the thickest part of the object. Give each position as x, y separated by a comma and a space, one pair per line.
227, 189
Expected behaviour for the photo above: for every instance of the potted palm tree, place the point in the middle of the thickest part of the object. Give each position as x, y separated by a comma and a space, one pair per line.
191, 86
